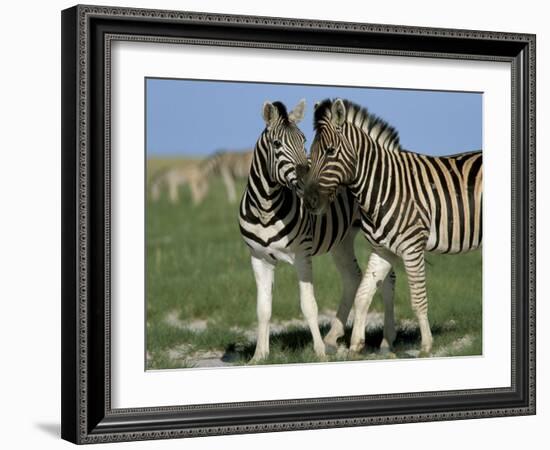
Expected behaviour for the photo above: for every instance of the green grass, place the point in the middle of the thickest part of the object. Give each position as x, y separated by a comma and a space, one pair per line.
198, 268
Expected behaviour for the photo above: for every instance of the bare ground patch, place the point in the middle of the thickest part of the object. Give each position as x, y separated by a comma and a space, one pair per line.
188, 354
173, 319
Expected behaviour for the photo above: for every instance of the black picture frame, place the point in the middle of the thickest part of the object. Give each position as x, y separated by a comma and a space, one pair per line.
87, 32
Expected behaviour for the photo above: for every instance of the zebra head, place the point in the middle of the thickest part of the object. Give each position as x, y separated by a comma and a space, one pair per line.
285, 143
332, 160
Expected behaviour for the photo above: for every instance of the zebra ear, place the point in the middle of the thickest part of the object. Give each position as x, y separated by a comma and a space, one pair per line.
270, 113
297, 114
338, 112
316, 105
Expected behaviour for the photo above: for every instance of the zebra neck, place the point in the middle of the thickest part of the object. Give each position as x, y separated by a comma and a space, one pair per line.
262, 190
375, 176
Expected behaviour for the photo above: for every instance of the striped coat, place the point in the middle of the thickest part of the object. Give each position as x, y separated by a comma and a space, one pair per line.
410, 203
276, 226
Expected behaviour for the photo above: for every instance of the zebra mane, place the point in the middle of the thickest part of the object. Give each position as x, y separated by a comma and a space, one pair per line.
212, 162
377, 128
283, 113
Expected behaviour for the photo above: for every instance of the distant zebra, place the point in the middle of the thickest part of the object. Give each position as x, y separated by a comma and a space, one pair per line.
230, 166
173, 177
196, 174
410, 203
276, 227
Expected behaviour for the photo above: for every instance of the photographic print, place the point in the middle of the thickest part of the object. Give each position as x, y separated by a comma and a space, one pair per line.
275, 224
298, 224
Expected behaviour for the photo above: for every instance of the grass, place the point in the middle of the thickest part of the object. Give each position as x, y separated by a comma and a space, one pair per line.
198, 269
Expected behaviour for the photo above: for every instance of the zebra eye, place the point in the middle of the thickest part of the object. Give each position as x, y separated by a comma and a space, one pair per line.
330, 150
277, 143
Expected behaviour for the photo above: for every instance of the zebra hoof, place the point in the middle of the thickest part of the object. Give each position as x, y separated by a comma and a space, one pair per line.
386, 352
331, 347
356, 350
258, 359
320, 352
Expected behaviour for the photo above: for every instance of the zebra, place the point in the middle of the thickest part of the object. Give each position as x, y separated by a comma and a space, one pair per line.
172, 178
230, 166
410, 203
276, 227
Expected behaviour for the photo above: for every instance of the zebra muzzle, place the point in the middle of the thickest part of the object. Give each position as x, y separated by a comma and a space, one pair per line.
302, 171
312, 198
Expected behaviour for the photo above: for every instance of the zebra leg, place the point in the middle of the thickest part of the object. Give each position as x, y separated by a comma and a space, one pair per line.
264, 274
377, 270
195, 192
416, 273
199, 188
308, 303
173, 191
350, 273
388, 292
155, 192
202, 189
229, 185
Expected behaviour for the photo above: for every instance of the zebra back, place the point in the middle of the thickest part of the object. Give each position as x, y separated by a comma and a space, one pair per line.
236, 163
407, 199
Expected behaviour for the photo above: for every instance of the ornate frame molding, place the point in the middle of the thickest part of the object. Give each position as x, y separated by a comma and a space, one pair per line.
88, 32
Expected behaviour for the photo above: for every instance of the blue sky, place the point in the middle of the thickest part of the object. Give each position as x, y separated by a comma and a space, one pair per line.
196, 118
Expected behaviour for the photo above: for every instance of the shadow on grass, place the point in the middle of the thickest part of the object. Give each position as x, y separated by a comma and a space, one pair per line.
294, 340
